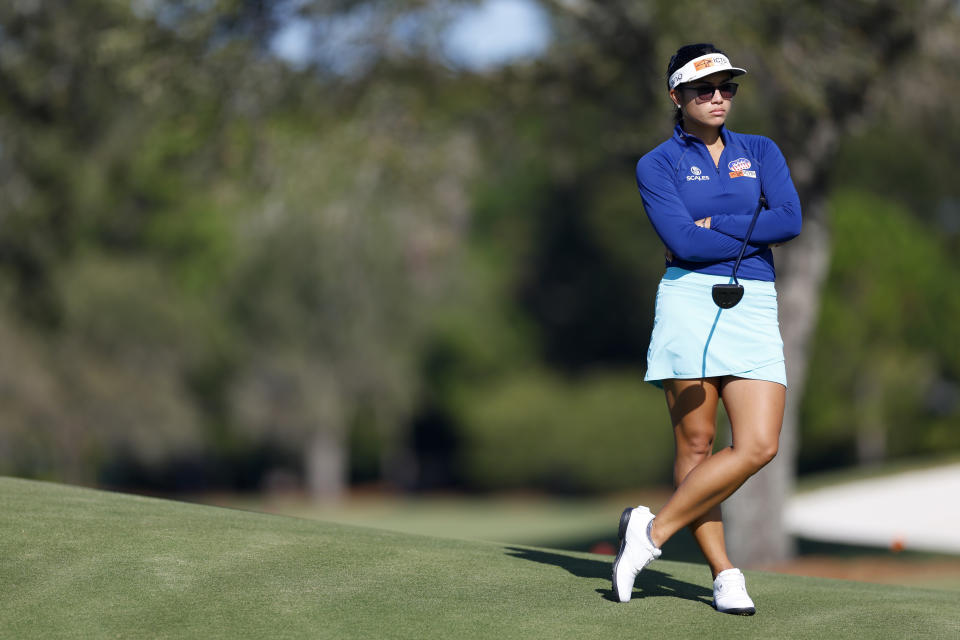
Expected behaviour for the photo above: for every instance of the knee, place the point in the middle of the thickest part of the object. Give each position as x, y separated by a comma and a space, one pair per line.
694, 449
760, 454
755, 454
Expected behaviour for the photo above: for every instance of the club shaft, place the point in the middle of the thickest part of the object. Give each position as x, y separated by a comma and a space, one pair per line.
746, 239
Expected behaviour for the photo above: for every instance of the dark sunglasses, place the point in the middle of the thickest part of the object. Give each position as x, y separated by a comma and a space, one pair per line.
705, 91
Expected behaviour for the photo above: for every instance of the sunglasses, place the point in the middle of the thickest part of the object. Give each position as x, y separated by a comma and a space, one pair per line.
705, 91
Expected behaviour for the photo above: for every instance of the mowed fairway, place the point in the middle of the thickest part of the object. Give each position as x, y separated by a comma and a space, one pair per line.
80, 563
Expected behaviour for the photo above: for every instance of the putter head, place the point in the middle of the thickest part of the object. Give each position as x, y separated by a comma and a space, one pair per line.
727, 295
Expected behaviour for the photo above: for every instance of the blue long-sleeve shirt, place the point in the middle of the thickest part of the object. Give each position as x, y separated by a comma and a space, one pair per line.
680, 184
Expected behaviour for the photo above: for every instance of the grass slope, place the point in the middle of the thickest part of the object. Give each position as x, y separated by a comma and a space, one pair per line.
83, 563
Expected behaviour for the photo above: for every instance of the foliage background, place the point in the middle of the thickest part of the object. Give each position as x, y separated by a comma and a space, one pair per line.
219, 269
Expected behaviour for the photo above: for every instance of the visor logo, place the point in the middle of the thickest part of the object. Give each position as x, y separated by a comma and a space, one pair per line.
706, 63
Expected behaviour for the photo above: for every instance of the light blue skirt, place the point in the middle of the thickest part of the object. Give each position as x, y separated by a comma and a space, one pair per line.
694, 338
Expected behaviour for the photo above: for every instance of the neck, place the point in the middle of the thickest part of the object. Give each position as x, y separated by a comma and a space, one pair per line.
709, 134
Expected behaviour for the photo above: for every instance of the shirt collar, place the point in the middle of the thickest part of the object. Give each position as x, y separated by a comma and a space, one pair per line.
680, 134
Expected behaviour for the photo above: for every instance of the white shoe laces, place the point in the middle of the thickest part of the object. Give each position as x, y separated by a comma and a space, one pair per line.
733, 582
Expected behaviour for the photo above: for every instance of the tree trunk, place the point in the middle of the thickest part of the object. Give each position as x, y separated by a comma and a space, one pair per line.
325, 464
753, 516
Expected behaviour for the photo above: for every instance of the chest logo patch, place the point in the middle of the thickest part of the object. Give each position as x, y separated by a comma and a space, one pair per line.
695, 174
739, 168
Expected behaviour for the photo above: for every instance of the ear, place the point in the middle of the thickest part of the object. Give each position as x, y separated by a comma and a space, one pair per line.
675, 98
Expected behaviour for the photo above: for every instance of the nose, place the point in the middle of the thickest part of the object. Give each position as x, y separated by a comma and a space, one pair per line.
716, 97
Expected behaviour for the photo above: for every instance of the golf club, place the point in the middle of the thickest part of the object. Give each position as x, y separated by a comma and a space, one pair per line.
728, 295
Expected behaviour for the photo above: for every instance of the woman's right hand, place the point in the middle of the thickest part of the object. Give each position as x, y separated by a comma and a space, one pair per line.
702, 222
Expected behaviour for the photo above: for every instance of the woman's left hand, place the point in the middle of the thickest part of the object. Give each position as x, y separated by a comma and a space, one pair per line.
703, 222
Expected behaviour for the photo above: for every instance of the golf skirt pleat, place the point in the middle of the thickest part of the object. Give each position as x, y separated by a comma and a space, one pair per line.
694, 338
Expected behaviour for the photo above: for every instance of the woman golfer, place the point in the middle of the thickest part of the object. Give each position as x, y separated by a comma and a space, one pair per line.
700, 190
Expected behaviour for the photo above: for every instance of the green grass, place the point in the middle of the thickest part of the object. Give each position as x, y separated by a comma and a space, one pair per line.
87, 564
529, 519
572, 524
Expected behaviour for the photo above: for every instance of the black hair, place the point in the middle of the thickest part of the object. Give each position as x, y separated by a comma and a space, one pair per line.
685, 54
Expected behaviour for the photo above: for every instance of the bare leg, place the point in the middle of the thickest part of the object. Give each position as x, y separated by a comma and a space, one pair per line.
755, 408
693, 410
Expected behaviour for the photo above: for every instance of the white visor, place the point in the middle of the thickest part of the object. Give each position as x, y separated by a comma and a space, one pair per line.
703, 66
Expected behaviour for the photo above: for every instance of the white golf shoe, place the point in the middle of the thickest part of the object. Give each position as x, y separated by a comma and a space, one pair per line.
636, 550
730, 594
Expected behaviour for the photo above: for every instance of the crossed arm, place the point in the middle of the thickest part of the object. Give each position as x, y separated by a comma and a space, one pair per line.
705, 223
777, 224
720, 236
671, 220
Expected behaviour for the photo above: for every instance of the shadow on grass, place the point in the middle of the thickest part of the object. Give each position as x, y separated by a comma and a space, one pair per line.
680, 548
650, 582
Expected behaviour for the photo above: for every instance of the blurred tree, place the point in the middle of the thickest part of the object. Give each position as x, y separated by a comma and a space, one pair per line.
888, 363
349, 241
183, 206
202, 248
113, 122
533, 428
